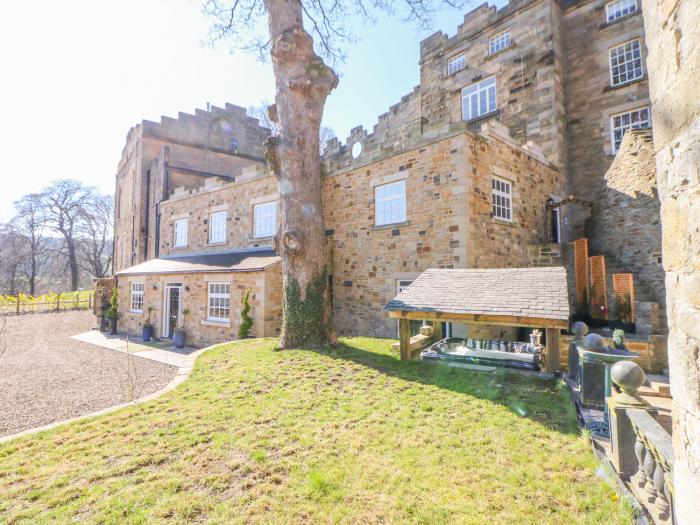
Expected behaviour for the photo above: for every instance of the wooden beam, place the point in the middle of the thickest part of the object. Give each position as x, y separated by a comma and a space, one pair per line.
552, 364
495, 320
405, 339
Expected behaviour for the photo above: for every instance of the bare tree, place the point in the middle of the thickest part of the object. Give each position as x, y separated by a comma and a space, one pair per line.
13, 253
303, 82
64, 204
30, 223
95, 231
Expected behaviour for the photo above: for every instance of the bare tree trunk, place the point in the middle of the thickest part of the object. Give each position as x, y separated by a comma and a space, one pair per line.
72, 264
303, 83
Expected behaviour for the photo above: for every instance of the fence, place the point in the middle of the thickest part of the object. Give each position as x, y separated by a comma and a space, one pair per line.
51, 302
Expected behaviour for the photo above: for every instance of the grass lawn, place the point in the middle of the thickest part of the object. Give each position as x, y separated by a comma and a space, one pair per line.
344, 435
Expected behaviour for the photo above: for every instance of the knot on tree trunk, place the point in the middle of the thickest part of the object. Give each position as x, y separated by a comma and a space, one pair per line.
271, 154
272, 113
290, 243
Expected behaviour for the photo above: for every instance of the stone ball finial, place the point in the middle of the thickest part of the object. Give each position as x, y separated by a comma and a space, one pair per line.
579, 329
628, 375
594, 342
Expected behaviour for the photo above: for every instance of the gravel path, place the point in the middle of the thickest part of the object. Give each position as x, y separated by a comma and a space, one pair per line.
46, 377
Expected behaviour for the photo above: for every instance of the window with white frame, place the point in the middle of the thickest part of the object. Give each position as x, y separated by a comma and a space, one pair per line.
479, 99
620, 123
219, 302
180, 233
265, 219
502, 199
456, 64
499, 42
619, 8
217, 226
390, 203
137, 297
626, 62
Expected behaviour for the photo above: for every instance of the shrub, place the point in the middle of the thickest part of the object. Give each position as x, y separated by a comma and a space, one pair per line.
246, 319
112, 312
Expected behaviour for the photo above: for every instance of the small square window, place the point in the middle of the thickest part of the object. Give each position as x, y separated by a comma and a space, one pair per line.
219, 302
265, 219
180, 233
499, 42
217, 227
619, 8
137, 297
456, 64
620, 123
390, 203
501, 199
626, 63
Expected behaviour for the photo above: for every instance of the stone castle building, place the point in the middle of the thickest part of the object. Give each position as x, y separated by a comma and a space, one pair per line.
506, 149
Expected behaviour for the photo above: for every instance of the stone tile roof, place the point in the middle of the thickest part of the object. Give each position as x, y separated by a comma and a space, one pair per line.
233, 261
509, 292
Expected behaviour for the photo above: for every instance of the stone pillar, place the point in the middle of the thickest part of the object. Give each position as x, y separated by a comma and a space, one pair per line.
673, 40
552, 356
628, 376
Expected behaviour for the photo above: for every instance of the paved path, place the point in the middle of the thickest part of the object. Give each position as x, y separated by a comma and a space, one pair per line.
46, 376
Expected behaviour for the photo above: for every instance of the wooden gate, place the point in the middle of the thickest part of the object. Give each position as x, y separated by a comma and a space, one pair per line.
598, 289
581, 268
623, 292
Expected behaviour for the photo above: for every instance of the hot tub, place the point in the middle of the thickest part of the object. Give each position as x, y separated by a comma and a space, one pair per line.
453, 349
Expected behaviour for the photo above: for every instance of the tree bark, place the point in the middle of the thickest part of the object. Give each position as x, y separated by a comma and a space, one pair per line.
303, 83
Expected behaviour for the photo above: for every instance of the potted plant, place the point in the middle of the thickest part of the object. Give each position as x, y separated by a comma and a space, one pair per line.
619, 339
111, 313
246, 319
147, 332
181, 332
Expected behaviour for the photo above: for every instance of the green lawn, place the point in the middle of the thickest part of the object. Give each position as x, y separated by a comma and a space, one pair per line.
350, 435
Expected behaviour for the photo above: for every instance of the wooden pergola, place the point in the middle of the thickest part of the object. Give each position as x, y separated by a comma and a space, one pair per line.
517, 297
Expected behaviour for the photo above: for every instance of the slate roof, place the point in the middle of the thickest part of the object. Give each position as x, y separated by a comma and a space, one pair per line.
510, 292
233, 261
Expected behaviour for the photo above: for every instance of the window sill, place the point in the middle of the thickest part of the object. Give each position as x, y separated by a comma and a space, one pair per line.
216, 243
491, 56
503, 222
135, 312
608, 88
607, 24
182, 247
211, 322
263, 237
391, 226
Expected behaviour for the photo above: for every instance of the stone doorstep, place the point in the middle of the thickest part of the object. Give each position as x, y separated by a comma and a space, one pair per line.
659, 383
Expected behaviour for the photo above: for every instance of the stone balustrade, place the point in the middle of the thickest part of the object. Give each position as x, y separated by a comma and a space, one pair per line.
641, 449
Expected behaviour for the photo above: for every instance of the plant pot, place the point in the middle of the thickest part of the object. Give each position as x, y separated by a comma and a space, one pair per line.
147, 333
112, 326
179, 339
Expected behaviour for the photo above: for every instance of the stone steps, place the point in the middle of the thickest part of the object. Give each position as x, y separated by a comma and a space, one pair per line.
656, 385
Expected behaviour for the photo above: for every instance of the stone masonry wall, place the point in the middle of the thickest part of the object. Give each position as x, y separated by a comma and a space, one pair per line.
627, 223
264, 300
673, 34
590, 99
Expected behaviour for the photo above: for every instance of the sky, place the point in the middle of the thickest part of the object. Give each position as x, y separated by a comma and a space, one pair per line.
75, 75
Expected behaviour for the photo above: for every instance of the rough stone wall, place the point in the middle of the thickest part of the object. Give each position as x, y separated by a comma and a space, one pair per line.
449, 223
222, 141
627, 224
673, 34
492, 242
529, 74
196, 204
264, 304
590, 99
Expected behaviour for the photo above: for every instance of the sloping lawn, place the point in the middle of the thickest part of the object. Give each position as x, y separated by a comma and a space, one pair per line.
345, 435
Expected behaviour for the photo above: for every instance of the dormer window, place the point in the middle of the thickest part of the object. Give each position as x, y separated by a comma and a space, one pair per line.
619, 8
499, 42
456, 64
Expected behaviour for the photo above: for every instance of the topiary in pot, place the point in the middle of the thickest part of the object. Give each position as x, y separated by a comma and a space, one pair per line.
246, 319
147, 332
112, 313
181, 332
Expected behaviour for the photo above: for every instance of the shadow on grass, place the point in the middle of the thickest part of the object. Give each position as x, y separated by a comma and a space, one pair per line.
543, 400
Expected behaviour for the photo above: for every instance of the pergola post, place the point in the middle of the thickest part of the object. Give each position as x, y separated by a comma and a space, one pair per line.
552, 359
405, 339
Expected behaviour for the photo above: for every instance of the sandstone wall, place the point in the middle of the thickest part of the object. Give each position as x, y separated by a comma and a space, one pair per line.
673, 34
265, 300
627, 224
590, 99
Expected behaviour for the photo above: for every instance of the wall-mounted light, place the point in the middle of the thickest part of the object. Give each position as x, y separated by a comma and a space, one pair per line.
155, 287
187, 288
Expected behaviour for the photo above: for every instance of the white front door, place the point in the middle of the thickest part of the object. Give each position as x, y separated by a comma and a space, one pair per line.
172, 308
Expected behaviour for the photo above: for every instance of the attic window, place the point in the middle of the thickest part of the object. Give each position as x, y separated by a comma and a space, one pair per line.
499, 42
619, 8
456, 64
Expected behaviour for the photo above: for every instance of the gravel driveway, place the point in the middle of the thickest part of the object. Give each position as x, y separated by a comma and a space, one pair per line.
46, 377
